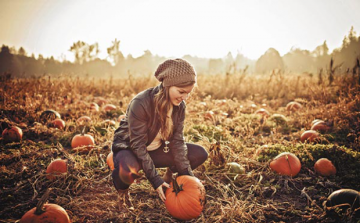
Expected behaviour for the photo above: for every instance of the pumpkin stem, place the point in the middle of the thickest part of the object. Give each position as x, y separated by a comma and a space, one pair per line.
40, 205
287, 159
177, 187
83, 130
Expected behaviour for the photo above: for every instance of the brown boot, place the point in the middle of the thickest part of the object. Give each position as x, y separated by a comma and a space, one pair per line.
125, 201
168, 176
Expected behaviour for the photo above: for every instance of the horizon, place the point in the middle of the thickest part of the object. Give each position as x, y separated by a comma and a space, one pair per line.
50, 28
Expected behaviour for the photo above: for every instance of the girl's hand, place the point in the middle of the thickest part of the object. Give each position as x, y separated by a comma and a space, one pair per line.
161, 191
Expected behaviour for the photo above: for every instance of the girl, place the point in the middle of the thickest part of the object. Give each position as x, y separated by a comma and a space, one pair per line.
151, 134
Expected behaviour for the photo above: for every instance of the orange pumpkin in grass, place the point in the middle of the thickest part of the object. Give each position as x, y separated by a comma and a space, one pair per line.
12, 134
325, 167
46, 213
53, 214
58, 123
309, 135
286, 164
293, 106
320, 126
109, 107
82, 140
110, 160
185, 199
56, 167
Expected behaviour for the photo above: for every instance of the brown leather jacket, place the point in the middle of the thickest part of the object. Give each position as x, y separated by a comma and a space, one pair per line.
139, 128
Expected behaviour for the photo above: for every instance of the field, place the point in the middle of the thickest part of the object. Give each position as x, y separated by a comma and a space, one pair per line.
231, 133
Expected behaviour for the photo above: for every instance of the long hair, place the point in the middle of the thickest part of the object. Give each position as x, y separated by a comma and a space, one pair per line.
164, 108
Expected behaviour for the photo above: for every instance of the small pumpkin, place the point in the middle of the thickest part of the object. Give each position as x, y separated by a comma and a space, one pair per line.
110, 160
278, 119
109, 107
58, 123
315, 121
12, 134
286, 164
343, 199
324, 167
82, 140
320, 126
293, 106
83, 119
263, 112
309, 135
235, 168
56, 167
185, 199
49, 115
46, 213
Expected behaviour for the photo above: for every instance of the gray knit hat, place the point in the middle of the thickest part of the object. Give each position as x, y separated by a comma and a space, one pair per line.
174, 72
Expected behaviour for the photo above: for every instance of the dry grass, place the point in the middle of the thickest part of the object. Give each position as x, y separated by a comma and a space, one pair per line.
232, 134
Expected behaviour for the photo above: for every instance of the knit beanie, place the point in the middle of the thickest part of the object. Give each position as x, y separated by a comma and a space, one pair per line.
175, 72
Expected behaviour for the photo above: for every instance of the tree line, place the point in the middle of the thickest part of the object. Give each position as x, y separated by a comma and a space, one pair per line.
18, 63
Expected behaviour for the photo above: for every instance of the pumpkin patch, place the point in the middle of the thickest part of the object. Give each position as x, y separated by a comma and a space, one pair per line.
246, 176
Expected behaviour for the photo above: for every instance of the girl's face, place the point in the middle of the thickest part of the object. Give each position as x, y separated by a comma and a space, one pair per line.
179, 94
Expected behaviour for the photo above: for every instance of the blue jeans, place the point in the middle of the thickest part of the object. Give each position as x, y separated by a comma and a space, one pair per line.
127, 165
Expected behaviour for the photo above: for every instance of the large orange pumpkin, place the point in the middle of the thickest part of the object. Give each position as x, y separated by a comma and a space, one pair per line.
325, 167
110, 160
309, 135
12, 134
185, 199
286, 164
46, 213
56, 167
82, 140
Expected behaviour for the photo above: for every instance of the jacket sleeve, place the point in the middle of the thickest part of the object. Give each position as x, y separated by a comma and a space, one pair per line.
179, 149
138, 119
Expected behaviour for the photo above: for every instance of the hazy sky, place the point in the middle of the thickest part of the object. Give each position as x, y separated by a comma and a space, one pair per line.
204, 28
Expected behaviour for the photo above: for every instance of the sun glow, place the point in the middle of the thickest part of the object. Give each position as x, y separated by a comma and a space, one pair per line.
171, 28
